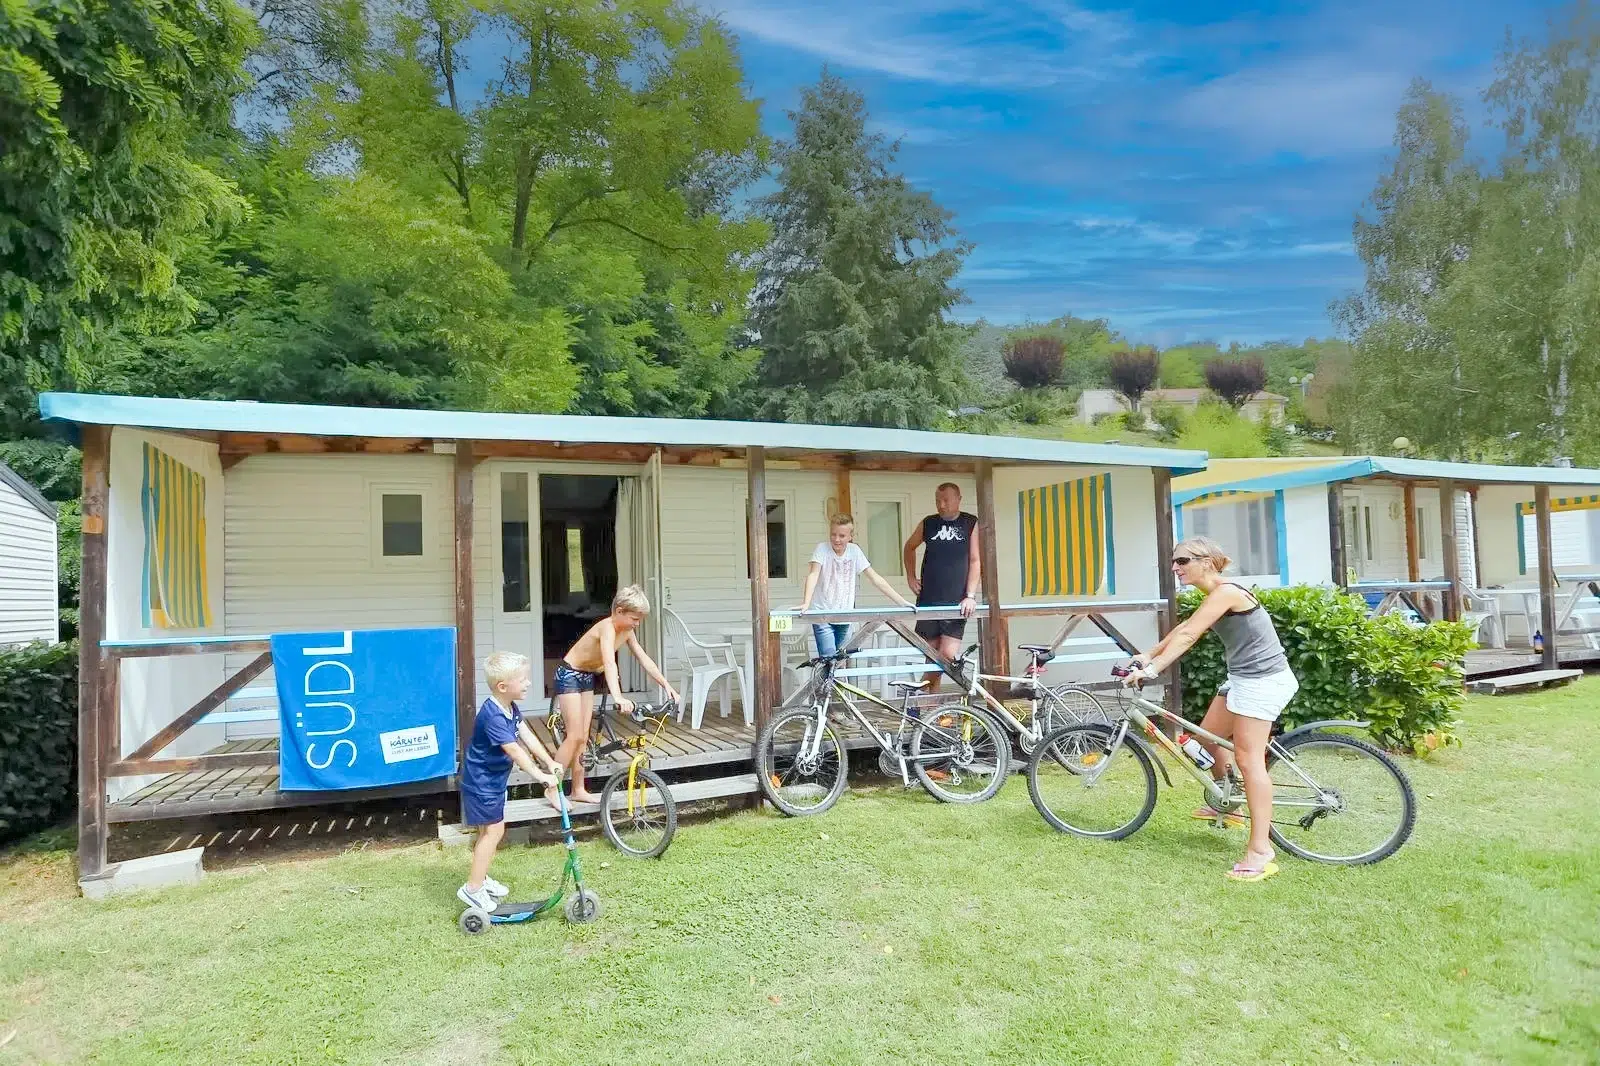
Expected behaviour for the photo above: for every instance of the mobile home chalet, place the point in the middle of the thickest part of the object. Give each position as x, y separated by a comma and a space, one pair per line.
210, 526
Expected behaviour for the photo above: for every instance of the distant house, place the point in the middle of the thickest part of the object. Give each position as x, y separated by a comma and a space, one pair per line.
1096, 402
28, 586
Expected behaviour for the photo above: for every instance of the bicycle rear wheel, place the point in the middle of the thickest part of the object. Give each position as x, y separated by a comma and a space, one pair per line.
960, 754
638, 821
1082, 781
1337, 799
800, 772
1069, 705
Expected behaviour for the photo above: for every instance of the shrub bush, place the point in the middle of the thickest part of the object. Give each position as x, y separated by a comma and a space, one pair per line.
1404, 679
1223, 433
1170, 418
38, 736
1034, 362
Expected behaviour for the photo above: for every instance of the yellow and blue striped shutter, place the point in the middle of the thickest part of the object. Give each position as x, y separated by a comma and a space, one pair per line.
1066, 538
173, 501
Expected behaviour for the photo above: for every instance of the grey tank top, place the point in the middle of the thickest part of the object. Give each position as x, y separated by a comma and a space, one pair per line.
1249, 643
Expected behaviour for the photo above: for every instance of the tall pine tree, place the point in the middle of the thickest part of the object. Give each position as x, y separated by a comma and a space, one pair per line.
857, 281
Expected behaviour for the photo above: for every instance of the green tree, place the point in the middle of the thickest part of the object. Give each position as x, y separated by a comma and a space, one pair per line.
1180, 369
857, 281
100, 105
1526, 305
1407, 376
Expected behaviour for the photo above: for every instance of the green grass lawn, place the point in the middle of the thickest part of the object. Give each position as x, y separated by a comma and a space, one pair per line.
890, 929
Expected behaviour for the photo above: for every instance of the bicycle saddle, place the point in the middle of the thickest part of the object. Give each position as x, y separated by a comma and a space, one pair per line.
909, 686
1037, 649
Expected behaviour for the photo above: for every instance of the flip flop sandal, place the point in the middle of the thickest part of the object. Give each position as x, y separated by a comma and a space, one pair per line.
1210, 814
1242, 872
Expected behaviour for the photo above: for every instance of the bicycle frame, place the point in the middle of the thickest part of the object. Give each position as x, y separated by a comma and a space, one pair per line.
845, 691
1220, 795
639, 743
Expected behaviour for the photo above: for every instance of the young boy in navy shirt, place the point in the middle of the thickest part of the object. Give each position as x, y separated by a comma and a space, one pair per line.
499, 738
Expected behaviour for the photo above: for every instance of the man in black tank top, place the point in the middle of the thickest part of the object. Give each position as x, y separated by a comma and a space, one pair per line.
949, 575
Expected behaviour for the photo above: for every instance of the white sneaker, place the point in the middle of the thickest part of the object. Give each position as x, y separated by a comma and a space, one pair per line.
495, 888
479, 899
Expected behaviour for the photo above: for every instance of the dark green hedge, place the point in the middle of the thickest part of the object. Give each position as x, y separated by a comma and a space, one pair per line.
1404, 679
38, 737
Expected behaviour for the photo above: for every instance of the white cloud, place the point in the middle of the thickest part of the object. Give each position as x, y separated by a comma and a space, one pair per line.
1027, 45
1314, 106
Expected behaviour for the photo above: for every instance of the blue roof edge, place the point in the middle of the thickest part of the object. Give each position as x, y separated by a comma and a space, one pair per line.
1377, 465
249, 417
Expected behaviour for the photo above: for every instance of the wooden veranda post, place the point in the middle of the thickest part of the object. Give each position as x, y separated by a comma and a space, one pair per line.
1413, 563
842, 497
1477, 539
94, 666
1547, 576
1168, 581
763, 641
996, 633
1336, 545
1451, 549
466, 672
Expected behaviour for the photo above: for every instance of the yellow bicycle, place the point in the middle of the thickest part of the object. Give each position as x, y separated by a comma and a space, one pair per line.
637, 811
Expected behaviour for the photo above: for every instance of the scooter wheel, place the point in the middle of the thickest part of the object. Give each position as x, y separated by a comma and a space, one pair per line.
474, 920
583, 908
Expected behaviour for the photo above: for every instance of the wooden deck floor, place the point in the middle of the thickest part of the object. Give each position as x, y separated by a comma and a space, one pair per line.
719, 742
1489, 662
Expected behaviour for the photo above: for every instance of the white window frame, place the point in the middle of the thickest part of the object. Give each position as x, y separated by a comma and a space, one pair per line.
904, 501
376, 491
1270, 515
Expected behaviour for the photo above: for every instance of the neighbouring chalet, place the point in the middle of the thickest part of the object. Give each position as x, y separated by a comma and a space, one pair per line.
1513, 549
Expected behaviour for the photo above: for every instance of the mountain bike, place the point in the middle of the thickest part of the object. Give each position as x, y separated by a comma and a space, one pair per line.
958, 753
1335, 798
637, 811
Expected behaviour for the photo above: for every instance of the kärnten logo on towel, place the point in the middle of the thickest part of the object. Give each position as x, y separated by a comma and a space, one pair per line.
403, 745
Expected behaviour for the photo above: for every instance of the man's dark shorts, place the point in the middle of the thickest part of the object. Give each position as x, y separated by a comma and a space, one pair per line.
948, 627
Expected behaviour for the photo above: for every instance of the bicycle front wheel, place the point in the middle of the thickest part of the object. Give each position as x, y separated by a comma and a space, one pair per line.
801, 771
960, 754
639, 821
1082, 781
1338, 799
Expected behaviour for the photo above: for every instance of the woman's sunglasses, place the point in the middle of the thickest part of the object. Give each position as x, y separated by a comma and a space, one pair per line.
1182, 560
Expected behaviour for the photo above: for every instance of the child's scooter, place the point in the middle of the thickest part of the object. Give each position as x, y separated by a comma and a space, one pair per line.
583, 906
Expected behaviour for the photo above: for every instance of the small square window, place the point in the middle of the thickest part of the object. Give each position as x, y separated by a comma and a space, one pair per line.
402, 525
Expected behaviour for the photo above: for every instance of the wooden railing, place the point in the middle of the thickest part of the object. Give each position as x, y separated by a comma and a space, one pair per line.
143, 759
901, 621
1426, 598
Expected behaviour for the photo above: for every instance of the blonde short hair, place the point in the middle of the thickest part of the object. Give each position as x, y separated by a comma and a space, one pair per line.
631, 599
1204, 548
841, 519
502, 666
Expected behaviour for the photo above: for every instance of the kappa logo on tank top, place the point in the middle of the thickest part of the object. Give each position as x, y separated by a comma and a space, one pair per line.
948, 533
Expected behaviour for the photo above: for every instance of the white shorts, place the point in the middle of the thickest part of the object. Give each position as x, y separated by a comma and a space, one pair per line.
1260, 697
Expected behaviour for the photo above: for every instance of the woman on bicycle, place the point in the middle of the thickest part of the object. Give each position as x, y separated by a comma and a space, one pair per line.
1259, 686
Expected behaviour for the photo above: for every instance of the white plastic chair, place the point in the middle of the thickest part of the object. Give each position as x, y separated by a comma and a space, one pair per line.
705, 664
796, 648
1483, 612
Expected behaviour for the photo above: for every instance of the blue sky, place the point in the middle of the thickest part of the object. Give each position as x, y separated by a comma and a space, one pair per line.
1186, 170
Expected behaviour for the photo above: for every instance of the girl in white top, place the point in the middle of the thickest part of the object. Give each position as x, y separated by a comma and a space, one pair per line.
831, 582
